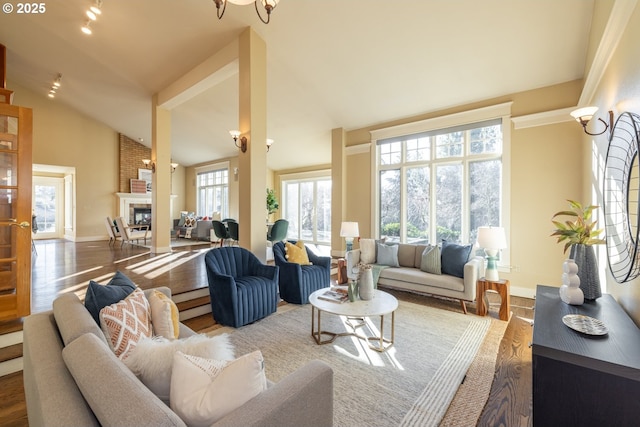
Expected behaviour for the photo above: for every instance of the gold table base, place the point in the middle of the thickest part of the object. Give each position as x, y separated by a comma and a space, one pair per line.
377, 343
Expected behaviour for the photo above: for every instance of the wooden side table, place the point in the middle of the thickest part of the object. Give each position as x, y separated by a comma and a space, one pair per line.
502, 287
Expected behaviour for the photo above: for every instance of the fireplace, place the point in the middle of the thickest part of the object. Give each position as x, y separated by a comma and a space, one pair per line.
142, 215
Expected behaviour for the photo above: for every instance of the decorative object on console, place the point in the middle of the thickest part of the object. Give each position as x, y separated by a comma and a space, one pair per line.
621, 192
584, 116
492, 239
570, 291
580, 235
365, 284
349, 230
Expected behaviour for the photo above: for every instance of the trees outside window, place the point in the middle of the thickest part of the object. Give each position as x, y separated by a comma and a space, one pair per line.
440, 184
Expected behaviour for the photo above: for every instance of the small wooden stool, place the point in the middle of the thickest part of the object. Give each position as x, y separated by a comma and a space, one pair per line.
502, 287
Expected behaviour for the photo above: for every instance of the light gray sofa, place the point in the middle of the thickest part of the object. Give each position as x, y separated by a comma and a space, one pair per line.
72, 378
409, 276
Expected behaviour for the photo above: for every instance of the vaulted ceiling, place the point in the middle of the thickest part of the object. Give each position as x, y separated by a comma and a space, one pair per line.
330, 63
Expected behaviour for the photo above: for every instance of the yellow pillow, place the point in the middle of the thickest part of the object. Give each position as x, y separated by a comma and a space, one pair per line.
296, 253
165, 316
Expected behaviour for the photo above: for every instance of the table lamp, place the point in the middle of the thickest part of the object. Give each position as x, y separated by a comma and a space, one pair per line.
491, 239
349, 230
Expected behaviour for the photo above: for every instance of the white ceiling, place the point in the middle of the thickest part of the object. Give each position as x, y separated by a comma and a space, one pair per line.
331, 63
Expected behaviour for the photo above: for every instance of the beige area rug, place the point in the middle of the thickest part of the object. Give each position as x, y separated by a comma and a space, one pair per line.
411, 384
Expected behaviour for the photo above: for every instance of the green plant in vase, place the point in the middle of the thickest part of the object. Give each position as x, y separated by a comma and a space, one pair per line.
272, 201
579, 233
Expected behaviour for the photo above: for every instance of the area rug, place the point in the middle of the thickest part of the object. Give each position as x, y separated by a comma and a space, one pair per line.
411, 384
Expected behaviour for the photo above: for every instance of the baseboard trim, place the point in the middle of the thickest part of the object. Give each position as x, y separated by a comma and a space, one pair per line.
519, 291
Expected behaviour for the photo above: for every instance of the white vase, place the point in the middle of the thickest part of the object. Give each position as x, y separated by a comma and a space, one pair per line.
365, 287
570, 291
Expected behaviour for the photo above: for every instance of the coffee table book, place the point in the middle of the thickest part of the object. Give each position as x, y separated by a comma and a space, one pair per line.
334, 295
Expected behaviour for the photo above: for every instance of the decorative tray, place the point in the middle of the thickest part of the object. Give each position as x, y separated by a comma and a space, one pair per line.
585, 324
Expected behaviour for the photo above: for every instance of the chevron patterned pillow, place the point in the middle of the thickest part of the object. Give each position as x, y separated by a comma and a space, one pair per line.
126, 322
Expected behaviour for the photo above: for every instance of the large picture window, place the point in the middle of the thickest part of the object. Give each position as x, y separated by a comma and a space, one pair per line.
213, 192
307, 207
440, 184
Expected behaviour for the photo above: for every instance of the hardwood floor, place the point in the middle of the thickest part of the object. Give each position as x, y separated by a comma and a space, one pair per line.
62, 266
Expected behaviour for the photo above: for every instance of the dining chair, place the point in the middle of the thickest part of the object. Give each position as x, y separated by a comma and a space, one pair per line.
221, 231
232, 226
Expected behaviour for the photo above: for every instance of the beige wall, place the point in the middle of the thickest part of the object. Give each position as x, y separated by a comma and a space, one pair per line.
546, 169
619, 90
64, 137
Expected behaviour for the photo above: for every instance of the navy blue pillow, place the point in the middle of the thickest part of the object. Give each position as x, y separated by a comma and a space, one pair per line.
99, 296
454, 257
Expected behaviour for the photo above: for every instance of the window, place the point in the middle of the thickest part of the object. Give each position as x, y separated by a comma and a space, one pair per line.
213, 192
306, 204
439, 183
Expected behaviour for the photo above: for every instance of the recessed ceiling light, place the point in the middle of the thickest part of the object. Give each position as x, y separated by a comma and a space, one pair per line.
86, 28
91, 15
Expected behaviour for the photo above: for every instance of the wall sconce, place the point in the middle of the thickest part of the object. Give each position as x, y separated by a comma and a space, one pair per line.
269, 144
235, 134
149, 165
585, 114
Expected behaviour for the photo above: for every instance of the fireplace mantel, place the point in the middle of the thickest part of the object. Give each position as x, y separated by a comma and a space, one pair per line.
125, 200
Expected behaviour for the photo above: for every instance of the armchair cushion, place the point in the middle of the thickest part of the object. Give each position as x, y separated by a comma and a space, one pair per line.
296, 253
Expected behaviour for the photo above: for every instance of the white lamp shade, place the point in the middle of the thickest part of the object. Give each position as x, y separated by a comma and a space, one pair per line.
491, 238
349, 229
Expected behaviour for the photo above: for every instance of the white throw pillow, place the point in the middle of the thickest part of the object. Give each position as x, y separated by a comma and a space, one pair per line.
152, 359
164, 315
205, 390
368, 251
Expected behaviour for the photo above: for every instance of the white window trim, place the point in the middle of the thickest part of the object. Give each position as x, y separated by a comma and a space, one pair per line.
211, 168
502, 111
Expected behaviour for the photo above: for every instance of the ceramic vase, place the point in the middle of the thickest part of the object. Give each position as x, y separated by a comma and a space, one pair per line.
585, 258
570, 291
365, 285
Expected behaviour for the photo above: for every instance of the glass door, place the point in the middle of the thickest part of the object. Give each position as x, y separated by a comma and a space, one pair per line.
15, 211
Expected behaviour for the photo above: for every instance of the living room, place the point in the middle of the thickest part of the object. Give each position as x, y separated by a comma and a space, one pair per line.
548, 159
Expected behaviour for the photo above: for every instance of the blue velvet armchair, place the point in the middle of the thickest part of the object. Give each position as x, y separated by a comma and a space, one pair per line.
242, 289
297, 281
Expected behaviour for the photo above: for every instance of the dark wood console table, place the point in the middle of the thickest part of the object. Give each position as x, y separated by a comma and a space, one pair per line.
584, 380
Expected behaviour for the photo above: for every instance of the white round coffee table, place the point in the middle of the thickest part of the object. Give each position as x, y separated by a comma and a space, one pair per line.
381, 305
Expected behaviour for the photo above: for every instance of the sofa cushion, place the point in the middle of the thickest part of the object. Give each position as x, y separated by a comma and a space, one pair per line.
368, 251
99, 296
205, 390
73, 319
164, 315
395, 277
406, 255
431, 260
454, 257
418, 258
115, 395
296, 253
151, 360
387, 255
126, 322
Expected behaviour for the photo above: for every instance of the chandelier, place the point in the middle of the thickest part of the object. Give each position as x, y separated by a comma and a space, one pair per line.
268, 5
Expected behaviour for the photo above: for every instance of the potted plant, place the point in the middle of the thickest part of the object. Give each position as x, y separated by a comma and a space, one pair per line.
579, 233
272, 201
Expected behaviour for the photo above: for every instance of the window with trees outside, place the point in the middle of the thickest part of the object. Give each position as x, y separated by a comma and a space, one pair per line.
306, 204
213, 192
440, 184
